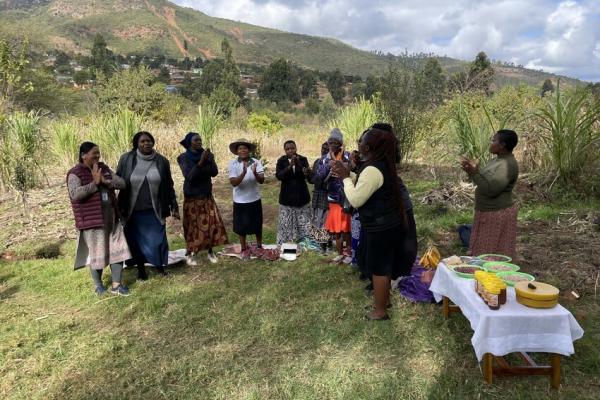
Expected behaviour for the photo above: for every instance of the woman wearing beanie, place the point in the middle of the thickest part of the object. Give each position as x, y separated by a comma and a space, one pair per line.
338, 222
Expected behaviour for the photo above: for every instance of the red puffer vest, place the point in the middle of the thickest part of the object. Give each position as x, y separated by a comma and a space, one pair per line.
88, 212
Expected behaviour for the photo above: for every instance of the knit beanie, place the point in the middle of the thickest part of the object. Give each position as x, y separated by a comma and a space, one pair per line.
336, 134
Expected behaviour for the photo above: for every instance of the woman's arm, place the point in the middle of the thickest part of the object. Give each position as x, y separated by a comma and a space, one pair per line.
234, 179
368, 182
283, 169
173, 206
77, 191
492, 179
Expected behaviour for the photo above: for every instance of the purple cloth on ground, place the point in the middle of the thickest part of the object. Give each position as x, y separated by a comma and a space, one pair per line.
413, 289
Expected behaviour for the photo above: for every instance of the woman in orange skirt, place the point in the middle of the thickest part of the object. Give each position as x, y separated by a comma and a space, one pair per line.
338, 222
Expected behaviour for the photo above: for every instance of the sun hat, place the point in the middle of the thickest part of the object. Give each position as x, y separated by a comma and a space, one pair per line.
233, 146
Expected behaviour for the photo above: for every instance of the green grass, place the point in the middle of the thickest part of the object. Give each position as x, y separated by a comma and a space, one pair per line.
255, 330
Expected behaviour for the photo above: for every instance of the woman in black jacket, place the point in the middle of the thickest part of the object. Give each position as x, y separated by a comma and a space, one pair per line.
294, 208
203, 226
146, 202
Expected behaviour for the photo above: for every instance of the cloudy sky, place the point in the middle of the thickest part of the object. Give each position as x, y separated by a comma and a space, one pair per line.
556, 36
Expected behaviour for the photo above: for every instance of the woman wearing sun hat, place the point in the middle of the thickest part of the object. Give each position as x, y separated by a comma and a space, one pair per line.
245, 175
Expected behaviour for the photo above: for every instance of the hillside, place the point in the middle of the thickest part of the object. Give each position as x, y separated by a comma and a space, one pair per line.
161, 27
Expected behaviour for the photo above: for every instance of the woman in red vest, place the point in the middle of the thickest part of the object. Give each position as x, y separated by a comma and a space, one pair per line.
101, 240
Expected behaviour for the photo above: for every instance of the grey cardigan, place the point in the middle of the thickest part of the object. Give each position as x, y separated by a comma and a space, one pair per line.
167, 200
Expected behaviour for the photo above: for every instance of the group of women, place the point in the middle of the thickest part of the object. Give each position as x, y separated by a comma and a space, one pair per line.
358, 198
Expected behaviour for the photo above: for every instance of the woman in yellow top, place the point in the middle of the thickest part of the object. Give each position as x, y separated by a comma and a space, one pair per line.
495, 221
375, 192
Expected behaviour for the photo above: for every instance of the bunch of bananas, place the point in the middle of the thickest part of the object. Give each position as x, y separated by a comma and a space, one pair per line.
431, 258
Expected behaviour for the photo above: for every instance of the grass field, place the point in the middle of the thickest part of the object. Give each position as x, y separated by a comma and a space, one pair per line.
256, 330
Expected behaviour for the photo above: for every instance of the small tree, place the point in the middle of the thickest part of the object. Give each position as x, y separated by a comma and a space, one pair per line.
134, 89
335, 85
12, 67
280, 83
547, 87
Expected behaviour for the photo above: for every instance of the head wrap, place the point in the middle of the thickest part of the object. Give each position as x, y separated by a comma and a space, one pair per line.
193, 156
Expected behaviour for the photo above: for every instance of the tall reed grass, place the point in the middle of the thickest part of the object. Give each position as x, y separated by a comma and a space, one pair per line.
474, 130
354, 119
208, 121
114, 132
570, 133
64, 142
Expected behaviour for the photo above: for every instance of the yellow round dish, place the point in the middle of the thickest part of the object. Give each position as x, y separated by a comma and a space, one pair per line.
536, 291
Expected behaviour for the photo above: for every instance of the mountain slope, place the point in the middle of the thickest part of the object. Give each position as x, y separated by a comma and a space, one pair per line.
161, 27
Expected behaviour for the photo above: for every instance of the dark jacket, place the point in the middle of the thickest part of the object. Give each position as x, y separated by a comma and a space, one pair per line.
294, 190
88, 213
381, 212
166, 193
197, 179
335, 186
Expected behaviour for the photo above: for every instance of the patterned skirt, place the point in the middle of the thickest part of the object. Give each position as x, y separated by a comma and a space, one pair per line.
294, 223
495, 232
203, 226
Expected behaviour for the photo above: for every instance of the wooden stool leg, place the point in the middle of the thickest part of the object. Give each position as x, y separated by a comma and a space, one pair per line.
446, 306
555, 363
488, 367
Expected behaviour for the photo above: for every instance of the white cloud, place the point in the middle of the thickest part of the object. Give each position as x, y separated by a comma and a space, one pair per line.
557, 36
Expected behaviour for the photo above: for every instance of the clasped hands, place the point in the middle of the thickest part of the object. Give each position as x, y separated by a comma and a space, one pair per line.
469, 166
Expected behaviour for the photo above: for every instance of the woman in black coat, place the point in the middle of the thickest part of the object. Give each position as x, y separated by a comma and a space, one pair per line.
294, 200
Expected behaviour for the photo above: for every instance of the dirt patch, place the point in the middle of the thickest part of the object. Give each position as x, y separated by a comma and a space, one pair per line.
566, 254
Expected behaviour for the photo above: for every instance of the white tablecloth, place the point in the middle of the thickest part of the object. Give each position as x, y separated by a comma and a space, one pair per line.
513, 328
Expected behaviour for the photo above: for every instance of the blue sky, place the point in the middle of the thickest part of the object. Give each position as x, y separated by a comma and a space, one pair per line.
557, 36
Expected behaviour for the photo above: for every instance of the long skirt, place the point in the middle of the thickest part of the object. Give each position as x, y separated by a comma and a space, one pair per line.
294, 223
356, 235
383, 253
320, 208
495, 232
337, 220
147, 239
203, 226
99, 247
247, 218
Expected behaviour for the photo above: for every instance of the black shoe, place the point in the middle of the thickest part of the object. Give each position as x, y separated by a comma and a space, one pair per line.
161, 270
142, 274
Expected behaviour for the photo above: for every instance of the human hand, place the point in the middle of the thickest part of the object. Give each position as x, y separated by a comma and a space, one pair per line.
97, 174
245, 167
340, 170
203, 157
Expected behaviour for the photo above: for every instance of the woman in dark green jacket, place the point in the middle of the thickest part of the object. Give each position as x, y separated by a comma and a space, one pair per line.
495, 221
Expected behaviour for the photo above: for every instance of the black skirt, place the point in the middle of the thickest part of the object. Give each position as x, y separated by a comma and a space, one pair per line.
384, 253
248, 218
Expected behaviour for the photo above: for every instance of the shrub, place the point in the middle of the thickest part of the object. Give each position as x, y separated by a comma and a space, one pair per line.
262, 123
20, 147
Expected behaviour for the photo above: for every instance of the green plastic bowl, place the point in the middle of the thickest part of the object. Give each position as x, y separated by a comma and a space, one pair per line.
496, 258
503, 275
506, 267
463, 274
